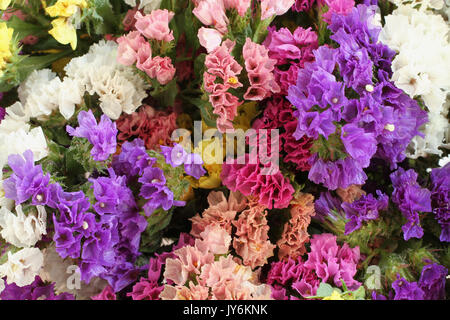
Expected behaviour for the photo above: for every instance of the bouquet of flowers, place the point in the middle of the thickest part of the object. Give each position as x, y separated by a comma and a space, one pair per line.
224, 149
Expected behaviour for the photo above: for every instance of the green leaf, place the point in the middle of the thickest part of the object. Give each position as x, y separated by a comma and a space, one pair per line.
324, 290
206, 110
166, 95
23, 29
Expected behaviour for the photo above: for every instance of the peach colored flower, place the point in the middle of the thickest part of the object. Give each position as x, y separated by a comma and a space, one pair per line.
351, 193
295, 234
214, 239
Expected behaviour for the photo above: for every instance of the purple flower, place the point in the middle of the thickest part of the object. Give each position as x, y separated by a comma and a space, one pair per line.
2, 114
336, 174
112, 194
359, 144
328, 206
175, 155
405, 290
152, 176
432, 281
27, 180
34, 291
364, 209
102, 135
193, 166
133, 159
440, 181
410, 199
159, 196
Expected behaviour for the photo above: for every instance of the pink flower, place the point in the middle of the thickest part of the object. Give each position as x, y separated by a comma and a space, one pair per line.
161, 69
144, 56
214, 239
209, 38
341, 7
241, 6
129, 45
212, 13
275, 7
260, 71
106, 294
189, 261
30, 40
220, 212
129, 20
155, 25
146, 290
193, 292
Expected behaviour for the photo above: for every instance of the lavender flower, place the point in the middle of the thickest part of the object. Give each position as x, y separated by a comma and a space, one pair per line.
193, 166
175, 155
133, 159
27, 180
34, 291
411, 199
405, 290
432, 281
364, 209
440, 180
102, 135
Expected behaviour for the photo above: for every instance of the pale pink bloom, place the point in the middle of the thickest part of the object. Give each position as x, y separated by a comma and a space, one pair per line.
241, 6
144, 57
209, 38
194, 292
341, 7
155, 25
260, 71
214, 239
252, 240
222, 64
212, 13
129, 46
275, 7
129, 20
217, 272
160, 68
189, 261
220, 212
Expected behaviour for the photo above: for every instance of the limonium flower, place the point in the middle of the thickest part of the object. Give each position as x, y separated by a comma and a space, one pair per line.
5, 45
4, 4
63, 29
440, 179
102, 135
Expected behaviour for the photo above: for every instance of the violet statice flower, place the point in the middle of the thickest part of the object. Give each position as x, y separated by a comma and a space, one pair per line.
432, 281
133, 159
364, 209
37, 290
410, 199
336, 174
358, 143
102, 136
175, 155
405, 290
194, 166
27, 180
112, 194
440, 182
303, 5
2, 114
328, 206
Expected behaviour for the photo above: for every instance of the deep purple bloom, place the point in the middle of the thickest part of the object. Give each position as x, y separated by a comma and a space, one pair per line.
34, 291
27, 181
102, 135
432, 281
405, 290
328, 206
159, 196
133, 159
364, 209
410, 199
2, 114
440, 181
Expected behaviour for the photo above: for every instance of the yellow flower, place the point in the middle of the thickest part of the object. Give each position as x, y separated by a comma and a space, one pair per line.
64, 32
5, 45
4, 4
65, 8
334, 296
246, 113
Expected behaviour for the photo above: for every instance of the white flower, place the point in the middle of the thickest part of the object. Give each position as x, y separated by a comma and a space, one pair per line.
97, 72
21, 230
421, 67
23, 266
16, 137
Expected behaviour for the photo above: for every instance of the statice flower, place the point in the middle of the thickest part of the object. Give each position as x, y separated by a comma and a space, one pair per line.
27, 180
432, 281
364, 209
410, 199
37, 290
133, 159
440, 181
148, 288
176, 155
405, 290
102, 135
